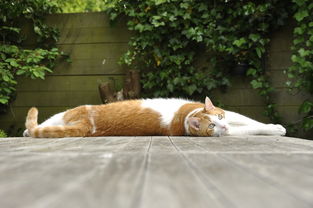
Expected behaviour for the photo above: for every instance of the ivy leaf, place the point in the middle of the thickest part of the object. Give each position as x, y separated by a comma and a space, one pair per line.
303, 52
307, 124
191, 89
5, 77
254, 37
4, 100
20, 72
300, 15
306, 107
259, 52
158, 2
170, 87
298, 30
256, 84
239, 42
251, 71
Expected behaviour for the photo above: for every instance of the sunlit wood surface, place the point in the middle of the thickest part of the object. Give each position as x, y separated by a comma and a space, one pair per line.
160, 172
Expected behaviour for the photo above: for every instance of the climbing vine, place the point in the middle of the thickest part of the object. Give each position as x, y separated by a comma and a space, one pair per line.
17, 58
300, 74
171, 35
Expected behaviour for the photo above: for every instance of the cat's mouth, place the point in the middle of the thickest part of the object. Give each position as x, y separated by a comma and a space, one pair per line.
220, 133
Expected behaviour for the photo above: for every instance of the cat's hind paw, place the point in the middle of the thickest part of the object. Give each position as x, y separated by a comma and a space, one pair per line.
25, 133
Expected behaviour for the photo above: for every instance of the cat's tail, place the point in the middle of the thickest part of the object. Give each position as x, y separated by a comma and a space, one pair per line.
32, 129
31, 121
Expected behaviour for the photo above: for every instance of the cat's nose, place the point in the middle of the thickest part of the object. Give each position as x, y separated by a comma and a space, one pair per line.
224, 128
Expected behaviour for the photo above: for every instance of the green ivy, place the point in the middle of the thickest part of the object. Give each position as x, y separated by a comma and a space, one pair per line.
2, 134
170, 35
300, 74
18, 59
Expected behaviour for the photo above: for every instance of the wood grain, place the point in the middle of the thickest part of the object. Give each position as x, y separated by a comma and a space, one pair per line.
248, 172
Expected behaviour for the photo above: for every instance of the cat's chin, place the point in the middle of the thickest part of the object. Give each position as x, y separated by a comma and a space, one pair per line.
220, 134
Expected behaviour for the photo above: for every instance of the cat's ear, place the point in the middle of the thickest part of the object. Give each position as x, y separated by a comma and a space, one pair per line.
208, 105
194, 122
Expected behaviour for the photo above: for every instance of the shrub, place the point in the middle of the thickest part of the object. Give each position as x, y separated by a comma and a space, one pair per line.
2, 134
170, 36
15, 58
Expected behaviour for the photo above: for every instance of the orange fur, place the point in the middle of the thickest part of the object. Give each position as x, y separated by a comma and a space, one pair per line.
125, 118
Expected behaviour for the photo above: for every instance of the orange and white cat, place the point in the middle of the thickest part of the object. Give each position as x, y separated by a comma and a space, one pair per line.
167, 117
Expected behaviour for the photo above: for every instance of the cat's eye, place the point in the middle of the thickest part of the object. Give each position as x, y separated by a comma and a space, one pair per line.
211, 126
220, 116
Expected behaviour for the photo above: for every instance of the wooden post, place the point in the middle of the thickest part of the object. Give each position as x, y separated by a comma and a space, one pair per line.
131, 89
106, 92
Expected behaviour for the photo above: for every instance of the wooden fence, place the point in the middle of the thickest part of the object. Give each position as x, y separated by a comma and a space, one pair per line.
95, 48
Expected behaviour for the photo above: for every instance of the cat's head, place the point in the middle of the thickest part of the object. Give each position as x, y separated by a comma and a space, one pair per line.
210, 121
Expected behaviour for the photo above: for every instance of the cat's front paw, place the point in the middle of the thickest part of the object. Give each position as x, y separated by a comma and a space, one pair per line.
278, 129
281, 129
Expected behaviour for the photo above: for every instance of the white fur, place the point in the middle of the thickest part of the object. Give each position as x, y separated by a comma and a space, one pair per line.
186, 124
165, 107
91, 118
221, 126
236, 125
55, 120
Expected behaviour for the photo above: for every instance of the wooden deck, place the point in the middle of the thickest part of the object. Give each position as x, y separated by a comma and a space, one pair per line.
161, 172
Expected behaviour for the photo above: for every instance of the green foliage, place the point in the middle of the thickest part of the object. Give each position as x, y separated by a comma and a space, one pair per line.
300, 74
171, 35
16, 59
2, 134
69, 6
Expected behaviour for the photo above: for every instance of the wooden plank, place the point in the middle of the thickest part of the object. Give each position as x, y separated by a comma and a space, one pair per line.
140, 172
238, 97
115, 185
161, 144
9, 145
103, 146
281, 40
289, 113
47, 175
19, 113
249, 97
281, 96
102, 51
247, 144
170, 182
183, 145
235, 182
290, 173
78, 35
82, 20
44, 172
57, 99
138, 144
279, 60
91, 66
118, 183
67, 83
